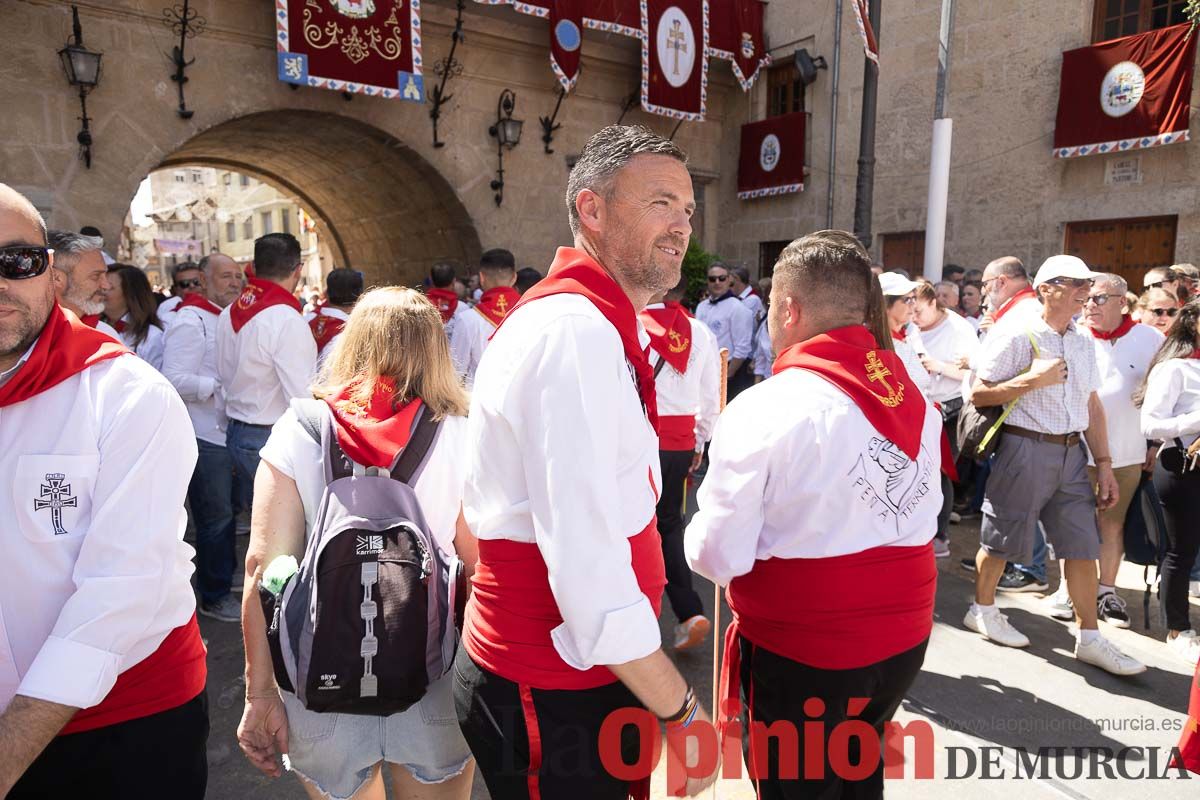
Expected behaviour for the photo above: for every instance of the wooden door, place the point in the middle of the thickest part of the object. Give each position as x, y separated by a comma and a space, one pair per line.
1127, 247
905, 251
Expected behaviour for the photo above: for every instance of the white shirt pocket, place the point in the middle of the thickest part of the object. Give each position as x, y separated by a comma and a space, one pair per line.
53, 495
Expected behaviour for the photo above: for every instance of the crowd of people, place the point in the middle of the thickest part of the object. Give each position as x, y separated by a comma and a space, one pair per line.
536, 435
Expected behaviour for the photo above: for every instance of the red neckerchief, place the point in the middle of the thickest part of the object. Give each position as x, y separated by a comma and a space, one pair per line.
65, 347
497, 302
1008, 304
257, 296
198, 300
445, 300
119, 325
901, 333
324, 328
575, 272
91, 320
373, 434
1125, 327
670, 333
849, 359
1195, 354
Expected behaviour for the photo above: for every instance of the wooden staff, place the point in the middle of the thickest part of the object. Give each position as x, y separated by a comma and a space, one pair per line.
718, 638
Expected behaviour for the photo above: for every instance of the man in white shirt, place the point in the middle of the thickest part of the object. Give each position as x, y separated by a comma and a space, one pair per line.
1124, 350
265, 354
81, 277
343, 287
818, 511
190, 364
187, 277
739, 282
1009, 296
462, 336
562, 625
1039, 472
497, 276
98, 635
687, 379
730, 321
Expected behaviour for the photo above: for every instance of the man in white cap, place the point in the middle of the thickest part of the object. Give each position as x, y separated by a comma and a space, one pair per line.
1039, 472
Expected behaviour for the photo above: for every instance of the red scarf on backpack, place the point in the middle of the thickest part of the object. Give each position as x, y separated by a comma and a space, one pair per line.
372, 434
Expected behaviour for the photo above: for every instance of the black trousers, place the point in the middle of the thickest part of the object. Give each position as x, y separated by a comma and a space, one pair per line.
775, 688
550, 739
741, 380
159, 756
685, 602
1180, 496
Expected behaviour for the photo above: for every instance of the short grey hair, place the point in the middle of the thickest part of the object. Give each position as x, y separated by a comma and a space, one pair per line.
605, 154
947, 284
185, 265
1113, 280
68, 246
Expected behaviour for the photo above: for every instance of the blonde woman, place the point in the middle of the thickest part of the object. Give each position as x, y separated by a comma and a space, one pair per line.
391, 355
1159, 309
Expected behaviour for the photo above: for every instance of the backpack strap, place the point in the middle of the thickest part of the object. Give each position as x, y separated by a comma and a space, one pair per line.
662, 362
411, 459
992, 431
313, 416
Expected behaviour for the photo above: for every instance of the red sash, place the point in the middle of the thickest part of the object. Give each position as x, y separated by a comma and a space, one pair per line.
324, 328
677, 432
511, 612
372, 434
670, 334
65, 347
445, 300
197, 300
1008, 304
1125, 327
576, 272
497, 302
259, 295
842, 612
1189, 741
874, 379
167, 678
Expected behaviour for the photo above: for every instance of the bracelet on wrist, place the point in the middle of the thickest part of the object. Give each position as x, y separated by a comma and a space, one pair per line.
1103, 460
686, 713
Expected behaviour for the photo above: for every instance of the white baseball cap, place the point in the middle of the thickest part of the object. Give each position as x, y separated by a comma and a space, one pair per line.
896, 285
1063, 267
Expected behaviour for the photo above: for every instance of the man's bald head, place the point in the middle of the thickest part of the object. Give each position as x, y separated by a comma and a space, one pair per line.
20, 214
1009, 266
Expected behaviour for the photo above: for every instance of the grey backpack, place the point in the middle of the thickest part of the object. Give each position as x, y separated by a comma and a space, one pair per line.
369, 621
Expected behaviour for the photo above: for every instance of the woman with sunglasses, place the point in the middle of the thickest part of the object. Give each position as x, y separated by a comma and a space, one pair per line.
131, 309
900, 299
1159, 309
1170, 401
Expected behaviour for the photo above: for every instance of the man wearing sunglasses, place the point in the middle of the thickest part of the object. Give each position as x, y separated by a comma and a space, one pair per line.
186, 278
80, 277
1039, 473
98, 635
1162, 278
730, 321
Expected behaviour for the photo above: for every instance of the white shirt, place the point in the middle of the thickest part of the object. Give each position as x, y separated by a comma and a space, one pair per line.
190, 364
949, 340
167, 308
561, 454
731, 322
764, 355
753, 302
912, 363
439, 487
151, 348
463, 335
1058, 409
697, 391
1020, 315
1122, 365
81, 607
264, 365
1171, 409
109, 330
796, 471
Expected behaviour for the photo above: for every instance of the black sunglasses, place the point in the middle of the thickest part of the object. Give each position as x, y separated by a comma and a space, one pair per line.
23, 261
1170, 312
190, 283
717, 278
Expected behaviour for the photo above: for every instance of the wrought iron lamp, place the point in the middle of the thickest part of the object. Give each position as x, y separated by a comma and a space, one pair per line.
507, 132
83, 70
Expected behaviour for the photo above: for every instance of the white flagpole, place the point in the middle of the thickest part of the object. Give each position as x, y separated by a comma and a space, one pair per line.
939, 163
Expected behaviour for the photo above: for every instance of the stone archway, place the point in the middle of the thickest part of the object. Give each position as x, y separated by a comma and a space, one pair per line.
386, 210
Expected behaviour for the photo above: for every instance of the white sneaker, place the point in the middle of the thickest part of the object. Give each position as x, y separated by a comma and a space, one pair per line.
955, 518
1058, 605
1104, 654
941, 548
1186, 645
993, 626
691, 632
1194, 588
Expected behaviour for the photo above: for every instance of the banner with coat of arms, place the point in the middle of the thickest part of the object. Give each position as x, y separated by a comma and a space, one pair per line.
370, 47
1126, 94
771, 161
736, 35
675, 58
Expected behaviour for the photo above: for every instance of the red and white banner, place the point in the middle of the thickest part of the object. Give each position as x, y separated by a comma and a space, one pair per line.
566, 40
1126, 94
675, 58
736, 34
772, 157
862, 18
370, 47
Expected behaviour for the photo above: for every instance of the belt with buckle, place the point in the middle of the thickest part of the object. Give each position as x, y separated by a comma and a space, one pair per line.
1064, 439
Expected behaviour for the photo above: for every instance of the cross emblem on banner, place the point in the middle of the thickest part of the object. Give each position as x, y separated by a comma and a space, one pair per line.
56, 497
677, 41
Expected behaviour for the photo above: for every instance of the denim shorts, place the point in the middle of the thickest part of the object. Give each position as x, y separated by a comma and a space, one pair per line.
338, 751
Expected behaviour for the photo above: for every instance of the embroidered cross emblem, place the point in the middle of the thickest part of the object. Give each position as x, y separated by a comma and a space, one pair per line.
877, 372
502, 305
677, 41
55, 496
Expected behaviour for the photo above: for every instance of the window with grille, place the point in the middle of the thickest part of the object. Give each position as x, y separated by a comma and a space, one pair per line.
785, 92
1116, 18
